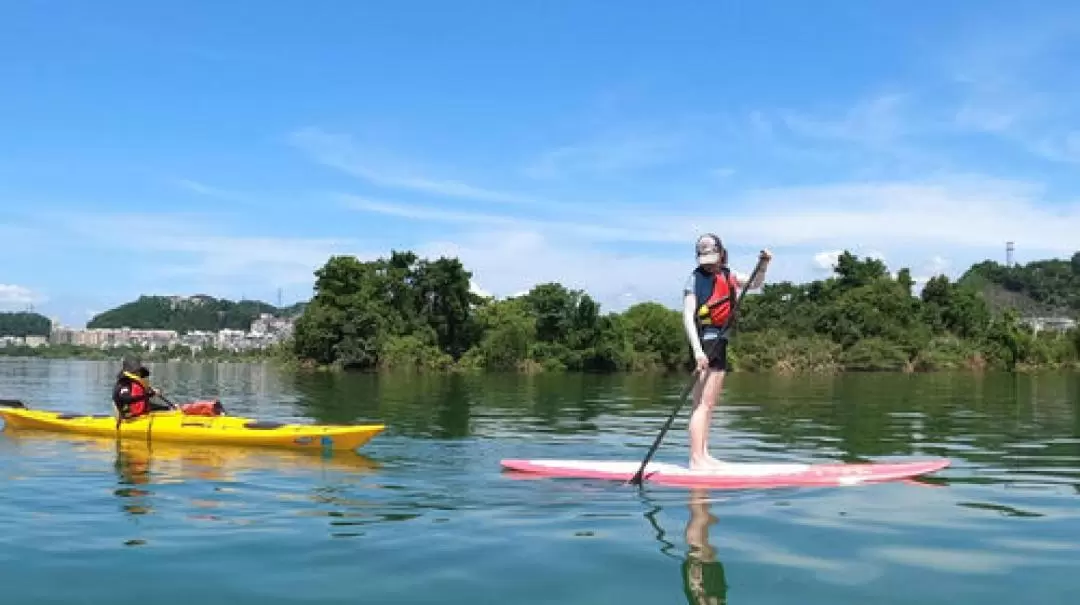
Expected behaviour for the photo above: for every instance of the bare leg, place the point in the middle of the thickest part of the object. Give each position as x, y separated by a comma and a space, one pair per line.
706, 393
713, 389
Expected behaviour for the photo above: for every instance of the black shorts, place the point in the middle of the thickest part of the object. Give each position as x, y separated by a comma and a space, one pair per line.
718, 359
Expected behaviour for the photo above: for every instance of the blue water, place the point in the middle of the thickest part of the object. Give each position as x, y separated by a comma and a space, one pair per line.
426, 516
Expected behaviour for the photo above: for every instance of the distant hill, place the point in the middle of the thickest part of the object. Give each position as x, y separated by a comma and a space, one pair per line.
1044, 288
24, 324
293, 310
188, 313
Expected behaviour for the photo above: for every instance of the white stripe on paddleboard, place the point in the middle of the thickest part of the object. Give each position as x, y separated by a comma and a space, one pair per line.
735, 469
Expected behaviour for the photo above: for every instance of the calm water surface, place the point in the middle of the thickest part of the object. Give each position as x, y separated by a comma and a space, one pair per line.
425, 515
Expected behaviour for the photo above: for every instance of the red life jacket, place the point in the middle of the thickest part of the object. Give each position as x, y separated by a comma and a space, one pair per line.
138, 408
718, 293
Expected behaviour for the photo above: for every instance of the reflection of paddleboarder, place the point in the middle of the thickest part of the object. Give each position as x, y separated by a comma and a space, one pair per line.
703, 576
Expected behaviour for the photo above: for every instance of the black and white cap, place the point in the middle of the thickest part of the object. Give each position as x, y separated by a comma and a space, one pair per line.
708, 249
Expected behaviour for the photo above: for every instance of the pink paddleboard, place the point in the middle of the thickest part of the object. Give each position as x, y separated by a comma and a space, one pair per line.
734, 475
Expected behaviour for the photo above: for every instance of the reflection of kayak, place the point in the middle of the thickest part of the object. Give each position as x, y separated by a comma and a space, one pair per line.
178, 427
732, 475
202, 460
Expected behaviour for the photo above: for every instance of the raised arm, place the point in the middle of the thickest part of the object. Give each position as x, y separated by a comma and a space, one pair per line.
759, 279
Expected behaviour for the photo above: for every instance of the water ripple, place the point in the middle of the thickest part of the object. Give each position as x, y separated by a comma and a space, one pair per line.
425, 515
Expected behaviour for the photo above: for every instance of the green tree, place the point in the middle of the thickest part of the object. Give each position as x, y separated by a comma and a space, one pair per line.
407, 312
657, 336
23, 324
346, 318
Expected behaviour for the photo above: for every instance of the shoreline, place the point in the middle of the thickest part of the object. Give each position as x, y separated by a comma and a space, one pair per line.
966, 366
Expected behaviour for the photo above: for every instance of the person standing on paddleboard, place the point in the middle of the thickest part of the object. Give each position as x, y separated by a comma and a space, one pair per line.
708, 297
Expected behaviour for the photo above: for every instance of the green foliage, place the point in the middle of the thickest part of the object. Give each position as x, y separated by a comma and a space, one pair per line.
656, 336
1051, 286
185, 314
874, 354
359, 306
773, 350
403, 312
24, 324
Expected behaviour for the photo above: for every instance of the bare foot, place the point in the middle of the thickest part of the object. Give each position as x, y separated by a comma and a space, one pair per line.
706, 463
714, 461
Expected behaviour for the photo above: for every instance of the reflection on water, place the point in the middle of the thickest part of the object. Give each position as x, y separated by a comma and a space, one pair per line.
703, 575
132, 470
703, 579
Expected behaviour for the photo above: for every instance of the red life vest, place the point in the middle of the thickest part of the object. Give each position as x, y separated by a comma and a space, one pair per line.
718, 291
138, 408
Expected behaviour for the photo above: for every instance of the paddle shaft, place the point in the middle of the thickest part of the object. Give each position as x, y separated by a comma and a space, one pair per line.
636, 479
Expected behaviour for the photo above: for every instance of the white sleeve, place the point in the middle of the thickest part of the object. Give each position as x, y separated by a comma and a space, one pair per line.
690, 323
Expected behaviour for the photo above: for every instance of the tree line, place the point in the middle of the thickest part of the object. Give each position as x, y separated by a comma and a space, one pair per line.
406, 312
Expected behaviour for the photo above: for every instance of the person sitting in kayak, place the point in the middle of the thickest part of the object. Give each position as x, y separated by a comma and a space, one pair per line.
132, 392
708, 297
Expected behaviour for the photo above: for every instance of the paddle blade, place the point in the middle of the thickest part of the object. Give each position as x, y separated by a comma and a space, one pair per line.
12, 403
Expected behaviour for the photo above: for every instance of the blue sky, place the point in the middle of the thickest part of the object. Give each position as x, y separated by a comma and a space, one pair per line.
231, 148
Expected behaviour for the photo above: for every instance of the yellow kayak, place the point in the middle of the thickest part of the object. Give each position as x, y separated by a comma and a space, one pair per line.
176, 426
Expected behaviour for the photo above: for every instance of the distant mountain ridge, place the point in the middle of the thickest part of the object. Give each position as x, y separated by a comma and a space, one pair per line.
1040, 288
189, 313
21, 324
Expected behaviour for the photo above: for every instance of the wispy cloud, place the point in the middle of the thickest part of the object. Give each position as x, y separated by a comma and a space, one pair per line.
616, 230
12, 296
205, 190
198, 250
605, 157
423, 213
875, 121
1010, 79
341, 152
967, 212
956, 212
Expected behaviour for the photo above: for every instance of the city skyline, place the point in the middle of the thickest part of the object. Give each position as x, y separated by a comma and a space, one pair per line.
152, 150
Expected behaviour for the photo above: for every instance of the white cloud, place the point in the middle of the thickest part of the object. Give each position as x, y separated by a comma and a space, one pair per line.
934, 215
873, 121
826, 261
632, 230
965, 212
510, 263
604, 157
1009, 73
937, 265
906, 224
211, 191
201, 254
12, 295
340, 152
477, 290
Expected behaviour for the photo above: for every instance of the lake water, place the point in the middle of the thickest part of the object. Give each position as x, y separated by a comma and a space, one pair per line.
426, 516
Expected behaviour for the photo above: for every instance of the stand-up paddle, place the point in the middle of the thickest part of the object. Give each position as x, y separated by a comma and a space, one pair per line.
636, 479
